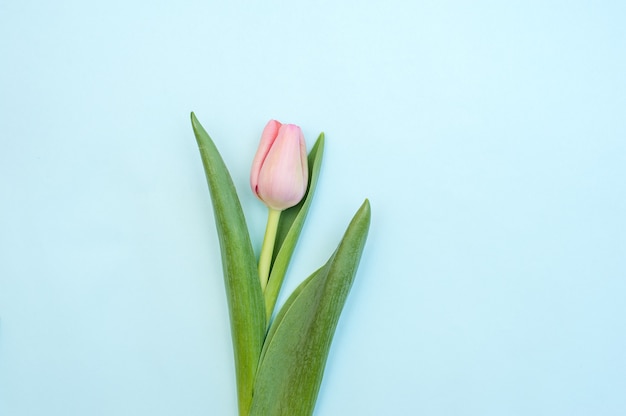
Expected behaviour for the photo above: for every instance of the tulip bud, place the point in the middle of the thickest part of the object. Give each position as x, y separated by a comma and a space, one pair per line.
279, 173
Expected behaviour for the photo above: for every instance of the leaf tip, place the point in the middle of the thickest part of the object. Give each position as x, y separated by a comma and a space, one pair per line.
365, 207
194, 120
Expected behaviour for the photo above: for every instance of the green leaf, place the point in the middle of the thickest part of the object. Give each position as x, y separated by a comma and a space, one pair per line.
243, 289
296, 348
289, 229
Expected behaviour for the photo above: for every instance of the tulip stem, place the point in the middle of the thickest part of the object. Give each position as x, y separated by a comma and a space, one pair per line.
267, 250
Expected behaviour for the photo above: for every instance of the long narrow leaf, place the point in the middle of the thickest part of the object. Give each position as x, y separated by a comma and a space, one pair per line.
290, 227
243, 290
296, 348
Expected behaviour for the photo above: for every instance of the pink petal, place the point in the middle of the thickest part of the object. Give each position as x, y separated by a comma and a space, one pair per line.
267, 139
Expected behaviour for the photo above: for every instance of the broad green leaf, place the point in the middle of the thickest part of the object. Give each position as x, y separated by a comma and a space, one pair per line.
296, 348
243, 290
289, 229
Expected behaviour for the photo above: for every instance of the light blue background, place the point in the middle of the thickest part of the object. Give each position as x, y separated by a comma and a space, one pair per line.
489, 137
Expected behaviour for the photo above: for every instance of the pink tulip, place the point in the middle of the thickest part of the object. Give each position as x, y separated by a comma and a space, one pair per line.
279, 170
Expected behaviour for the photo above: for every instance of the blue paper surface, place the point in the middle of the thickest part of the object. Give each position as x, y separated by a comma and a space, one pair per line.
490, 138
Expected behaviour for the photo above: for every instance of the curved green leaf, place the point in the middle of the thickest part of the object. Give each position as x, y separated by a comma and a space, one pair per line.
289, 229
296, 348
243, 290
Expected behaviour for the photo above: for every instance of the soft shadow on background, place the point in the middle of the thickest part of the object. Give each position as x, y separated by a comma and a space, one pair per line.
490, 138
